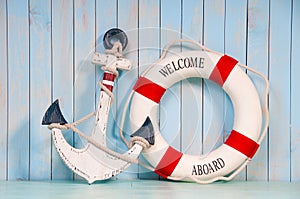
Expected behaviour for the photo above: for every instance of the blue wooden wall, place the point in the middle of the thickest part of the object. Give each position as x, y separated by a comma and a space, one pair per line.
44, 55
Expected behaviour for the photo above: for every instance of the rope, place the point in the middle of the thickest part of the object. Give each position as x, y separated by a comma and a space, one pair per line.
265, 112
140, 141
116, 51
107, 91
112, 70
84, 118
93, 142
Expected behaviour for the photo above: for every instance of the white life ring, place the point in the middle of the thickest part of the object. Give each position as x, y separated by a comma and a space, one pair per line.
242, 143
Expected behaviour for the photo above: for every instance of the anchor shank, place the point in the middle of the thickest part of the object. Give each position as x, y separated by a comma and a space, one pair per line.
102, 112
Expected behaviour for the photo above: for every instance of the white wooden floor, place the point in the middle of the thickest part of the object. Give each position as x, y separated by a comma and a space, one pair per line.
146, 189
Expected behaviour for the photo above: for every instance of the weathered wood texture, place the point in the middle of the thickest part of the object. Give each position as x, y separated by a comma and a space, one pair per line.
45, 51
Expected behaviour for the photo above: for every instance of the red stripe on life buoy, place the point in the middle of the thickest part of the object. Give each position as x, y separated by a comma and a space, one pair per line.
168, 163
149, 89
222, 69
241, 143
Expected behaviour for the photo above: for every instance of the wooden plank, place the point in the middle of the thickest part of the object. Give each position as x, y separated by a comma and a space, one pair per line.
106, 18
18, 90
3, 91
295, 94
191, 113
148, 33
235, 46
257, 58
62, 72
170, 105
127, 21
279, 138
40, 88
213, 101
149, 49
235, 33
84, 38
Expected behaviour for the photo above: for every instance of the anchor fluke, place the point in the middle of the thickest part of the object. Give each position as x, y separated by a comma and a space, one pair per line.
54, 115
146, 131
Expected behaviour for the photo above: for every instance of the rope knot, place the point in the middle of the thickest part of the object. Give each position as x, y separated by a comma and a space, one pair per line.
57, 125
116, 50
139, 140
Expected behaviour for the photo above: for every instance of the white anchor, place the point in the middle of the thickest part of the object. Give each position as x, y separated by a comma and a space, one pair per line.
95, 161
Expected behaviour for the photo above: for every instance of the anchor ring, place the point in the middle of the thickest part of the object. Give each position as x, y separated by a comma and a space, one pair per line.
113, 35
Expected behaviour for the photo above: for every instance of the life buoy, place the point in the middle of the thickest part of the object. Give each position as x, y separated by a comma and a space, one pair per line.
242, 142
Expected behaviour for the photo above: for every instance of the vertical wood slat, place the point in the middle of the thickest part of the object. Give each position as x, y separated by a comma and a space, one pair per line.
149, 49
128, 22
235, 46
170, 105
213, 100
295, 94
62, 74
84, 82
257, 58
3, 91
18, 90
40, 88
279, 138
191, 111
106, 18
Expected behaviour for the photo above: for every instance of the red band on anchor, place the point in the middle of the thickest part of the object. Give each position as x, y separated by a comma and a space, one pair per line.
109, 77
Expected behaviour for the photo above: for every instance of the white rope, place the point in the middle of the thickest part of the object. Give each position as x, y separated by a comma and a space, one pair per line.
93, 142
112, 70
84, 118
116, 51
140, 141
107, 91
265, 112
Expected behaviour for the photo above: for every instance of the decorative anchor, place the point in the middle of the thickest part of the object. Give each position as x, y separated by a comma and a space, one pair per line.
95, 161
